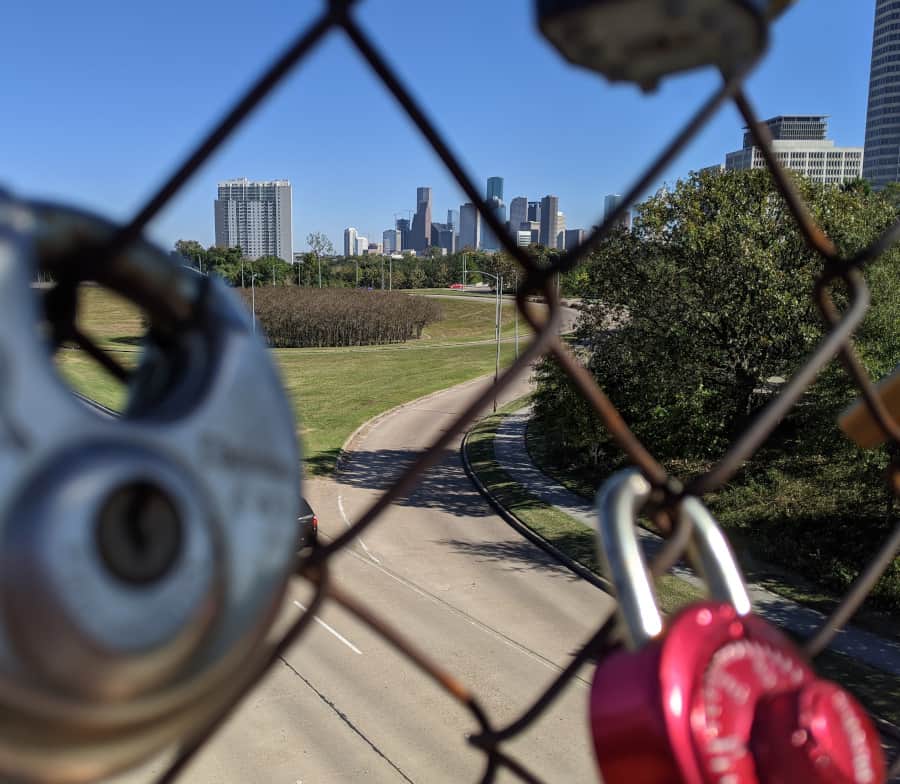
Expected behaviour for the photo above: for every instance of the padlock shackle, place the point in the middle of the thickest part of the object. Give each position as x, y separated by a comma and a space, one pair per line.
619, 502
710, 553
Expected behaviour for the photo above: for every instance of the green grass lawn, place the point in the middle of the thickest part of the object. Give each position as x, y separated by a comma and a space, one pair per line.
333, 390
467, 321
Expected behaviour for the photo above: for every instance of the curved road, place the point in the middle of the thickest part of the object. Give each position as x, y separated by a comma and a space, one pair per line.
442, 568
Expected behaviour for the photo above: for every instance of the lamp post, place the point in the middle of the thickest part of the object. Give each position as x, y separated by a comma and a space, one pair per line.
516, 285
253, 277
498, 280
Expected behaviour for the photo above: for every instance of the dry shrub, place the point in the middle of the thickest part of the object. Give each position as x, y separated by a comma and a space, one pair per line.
299, 317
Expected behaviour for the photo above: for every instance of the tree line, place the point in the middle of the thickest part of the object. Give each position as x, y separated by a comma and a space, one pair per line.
433, 270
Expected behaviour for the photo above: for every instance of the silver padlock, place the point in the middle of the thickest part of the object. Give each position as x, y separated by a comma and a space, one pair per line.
144, 555
641, 41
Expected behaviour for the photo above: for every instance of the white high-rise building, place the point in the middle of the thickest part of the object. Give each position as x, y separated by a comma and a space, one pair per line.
350, 235
799, 144
255, 217
362, 246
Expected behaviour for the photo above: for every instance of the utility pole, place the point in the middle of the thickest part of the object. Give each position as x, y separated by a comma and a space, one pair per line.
319, 262
390, 273
242, 273
273, 276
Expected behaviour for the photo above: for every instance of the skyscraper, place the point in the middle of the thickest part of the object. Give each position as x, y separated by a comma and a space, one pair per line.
350, 235
362, 246
453, 220
882, 151
255, 217
549, 213
402, 225
421, 226
610, 204
561, 230
518, 213
534, 211
574, 238
494, 188
392, 240
469, 227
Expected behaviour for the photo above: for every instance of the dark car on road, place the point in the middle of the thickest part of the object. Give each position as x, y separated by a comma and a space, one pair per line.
309, 526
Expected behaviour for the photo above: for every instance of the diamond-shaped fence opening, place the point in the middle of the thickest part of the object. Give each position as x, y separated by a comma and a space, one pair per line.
338, 19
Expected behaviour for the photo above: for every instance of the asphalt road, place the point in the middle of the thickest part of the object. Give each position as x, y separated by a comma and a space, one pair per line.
455, 579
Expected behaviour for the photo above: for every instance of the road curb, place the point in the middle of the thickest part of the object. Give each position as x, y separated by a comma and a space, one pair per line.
521, 527
346, 450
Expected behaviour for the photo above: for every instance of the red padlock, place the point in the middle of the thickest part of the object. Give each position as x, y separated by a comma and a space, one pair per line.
716, 696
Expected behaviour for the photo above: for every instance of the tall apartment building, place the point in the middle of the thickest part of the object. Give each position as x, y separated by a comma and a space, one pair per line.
882, 150
350, 235
255, 217
800, 143
469, 227
549, 217
421, 225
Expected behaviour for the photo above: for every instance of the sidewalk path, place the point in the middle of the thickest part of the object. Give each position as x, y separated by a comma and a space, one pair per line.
512, 455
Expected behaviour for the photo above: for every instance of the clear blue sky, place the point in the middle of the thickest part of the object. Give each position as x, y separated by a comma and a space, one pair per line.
101, 98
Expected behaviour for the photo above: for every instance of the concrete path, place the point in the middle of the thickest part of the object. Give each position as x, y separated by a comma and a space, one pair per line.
512, 454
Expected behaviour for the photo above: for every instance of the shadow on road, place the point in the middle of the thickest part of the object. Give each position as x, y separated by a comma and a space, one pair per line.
444, 486
514, 555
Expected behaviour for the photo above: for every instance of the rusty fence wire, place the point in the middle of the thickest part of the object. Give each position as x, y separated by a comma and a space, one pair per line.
337, 18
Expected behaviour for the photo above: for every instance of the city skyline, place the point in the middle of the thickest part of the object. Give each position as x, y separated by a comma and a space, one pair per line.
363, 170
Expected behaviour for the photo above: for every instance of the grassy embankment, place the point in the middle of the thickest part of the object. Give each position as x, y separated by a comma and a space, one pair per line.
877, 690
333, 390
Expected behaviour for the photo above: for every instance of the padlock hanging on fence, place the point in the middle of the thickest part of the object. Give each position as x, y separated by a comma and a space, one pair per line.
717, 694
641, 41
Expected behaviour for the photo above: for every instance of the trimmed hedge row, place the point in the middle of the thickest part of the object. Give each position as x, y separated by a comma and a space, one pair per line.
294, 317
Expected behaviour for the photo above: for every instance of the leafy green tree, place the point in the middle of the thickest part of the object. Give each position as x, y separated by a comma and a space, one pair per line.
690, 315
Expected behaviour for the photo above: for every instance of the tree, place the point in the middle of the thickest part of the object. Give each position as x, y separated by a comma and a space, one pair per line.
192, 252
320, 246
692, 313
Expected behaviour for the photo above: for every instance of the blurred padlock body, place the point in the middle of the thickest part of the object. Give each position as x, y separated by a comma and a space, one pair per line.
642, 41
717, 694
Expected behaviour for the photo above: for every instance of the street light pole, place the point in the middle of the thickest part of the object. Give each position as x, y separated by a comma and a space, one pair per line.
242, 273
499, 312
516, 284
253, 299
391, 273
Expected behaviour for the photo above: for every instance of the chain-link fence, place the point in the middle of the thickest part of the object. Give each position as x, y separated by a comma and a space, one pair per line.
338, 18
